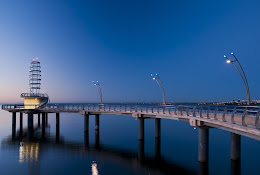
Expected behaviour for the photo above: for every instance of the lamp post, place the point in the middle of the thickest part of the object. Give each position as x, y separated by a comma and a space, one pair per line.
243, 76
159, 82
99, 89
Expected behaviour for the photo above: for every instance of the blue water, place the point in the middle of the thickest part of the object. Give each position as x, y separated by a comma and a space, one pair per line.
117, 152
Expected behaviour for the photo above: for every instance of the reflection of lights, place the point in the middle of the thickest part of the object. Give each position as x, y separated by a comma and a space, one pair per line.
28, 152
94, 168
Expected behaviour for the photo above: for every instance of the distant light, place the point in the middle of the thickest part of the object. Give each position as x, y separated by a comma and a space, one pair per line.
36, 58
97, 81
153, 78
33, 59
151, 75
156, 74
225, 56
232, 53
228, 61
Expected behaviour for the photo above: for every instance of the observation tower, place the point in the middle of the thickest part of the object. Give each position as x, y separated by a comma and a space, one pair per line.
34, 99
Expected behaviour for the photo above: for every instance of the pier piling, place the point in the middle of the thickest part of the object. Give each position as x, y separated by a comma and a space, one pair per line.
235, 147
203, 144
21, 124
30, 125
57, 126
13, 125
157, 138
97, 122
39, 119
43, 125
141, 128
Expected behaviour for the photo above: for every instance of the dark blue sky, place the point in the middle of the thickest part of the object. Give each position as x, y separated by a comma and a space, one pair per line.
120, 43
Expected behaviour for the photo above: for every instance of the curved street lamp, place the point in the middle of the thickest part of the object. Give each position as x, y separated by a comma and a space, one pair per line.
243, 75
159, 82
99, 89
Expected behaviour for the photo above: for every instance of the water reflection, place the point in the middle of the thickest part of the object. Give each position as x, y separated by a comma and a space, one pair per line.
28, 152
94, 168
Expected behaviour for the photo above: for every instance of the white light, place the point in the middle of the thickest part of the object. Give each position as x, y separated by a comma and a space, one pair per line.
228, 61
225, 56
153, 78
232, 53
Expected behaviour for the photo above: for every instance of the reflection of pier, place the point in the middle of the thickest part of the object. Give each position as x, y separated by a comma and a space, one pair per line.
32, 151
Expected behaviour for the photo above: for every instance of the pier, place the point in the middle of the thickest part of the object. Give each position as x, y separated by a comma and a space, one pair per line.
238, 121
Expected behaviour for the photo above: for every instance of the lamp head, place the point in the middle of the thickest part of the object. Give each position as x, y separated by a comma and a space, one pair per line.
232, 53
153, 78
228, 61
225, 56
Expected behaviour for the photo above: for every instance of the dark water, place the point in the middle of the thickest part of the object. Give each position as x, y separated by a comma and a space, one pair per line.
118, 148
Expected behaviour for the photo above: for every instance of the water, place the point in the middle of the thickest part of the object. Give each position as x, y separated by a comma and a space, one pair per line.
117, 152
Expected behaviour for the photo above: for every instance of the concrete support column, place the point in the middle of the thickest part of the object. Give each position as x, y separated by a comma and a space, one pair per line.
141, 139
21, 124
235, 167
203, 168
86, 129
97, 122
57, 126
203, 144
97, 137
157, 127
13, 125
30, 125
43, 125
46, 118
157, 138
140, 150
39, 119
141, 128
235, 147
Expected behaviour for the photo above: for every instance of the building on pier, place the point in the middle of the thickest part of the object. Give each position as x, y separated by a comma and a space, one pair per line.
34, 99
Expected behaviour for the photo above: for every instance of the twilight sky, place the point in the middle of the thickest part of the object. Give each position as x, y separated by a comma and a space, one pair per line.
120, 43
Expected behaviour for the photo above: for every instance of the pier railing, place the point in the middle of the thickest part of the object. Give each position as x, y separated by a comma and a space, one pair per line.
240, 115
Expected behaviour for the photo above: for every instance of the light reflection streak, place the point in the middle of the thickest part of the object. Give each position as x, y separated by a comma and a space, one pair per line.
94, 168
28, 152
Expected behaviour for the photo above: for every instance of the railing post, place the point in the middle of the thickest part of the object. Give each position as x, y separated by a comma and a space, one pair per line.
187, 110
244, 117
175, 110
208, 113
158, 110
233, 115
194, 111
152, 109
257, 119
215, 113
163, 110
224, 113
201, 112
181, 110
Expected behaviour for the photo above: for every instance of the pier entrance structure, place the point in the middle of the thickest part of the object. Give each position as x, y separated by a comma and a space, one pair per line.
34, 99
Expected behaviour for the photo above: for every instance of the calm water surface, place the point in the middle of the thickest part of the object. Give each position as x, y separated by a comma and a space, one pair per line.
117, 151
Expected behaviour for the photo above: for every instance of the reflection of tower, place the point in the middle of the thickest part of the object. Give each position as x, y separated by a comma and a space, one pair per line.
28, 152
34, 99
